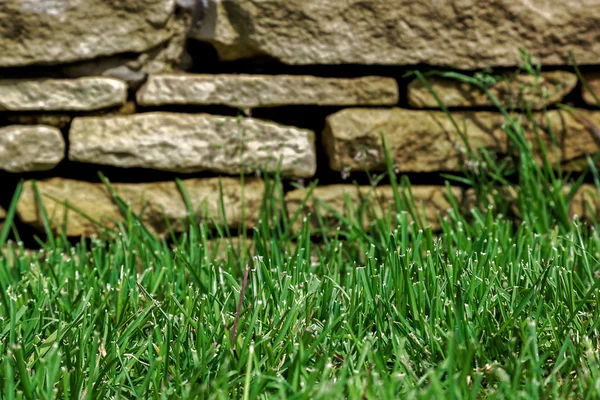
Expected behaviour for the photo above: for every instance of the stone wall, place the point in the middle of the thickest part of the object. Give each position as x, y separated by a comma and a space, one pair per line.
149, 90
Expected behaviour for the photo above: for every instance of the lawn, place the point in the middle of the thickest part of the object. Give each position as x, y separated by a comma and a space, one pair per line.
489, 306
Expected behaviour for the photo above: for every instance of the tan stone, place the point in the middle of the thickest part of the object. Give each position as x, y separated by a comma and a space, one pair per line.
218, 29
426, 141
58, 31
26, 148
586, 203
83, 94
192, 143
419, 141
593, 81
267, 90
576, 134
468, 35
518, 91
375, 203
159, 201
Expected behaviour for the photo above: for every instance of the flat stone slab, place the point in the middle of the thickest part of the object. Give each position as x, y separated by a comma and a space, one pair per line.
426, 141
61, 31
471, 34
267, 90
27, 148
518, 91
432, 199
83, 94
192, 143
159, 201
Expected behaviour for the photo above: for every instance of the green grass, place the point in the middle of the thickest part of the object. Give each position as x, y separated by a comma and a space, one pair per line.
487, 307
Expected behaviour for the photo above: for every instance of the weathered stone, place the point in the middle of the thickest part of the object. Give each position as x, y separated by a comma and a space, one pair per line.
376, 202
468, 35
192, 143
158, 203
216, 27
419, 141
586, 203
83, 94
593, 81
519, 91
266, 90
26, 148
133, 68
127, 68
426, 141
53, 32
576, 134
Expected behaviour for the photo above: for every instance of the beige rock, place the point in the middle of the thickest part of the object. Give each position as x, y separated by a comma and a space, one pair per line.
431, 199
593, 81
217, 28
192, 143
419, 141
586, 203
267, 90
576, 135
468, 35
58, 31
519, 91
426, 141
159, 201
26, 148
83, 94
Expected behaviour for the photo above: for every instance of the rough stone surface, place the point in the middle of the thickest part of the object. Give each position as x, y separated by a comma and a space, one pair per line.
586, 203
267, 90
576, 134
83, 94
419, 141
26, 148
513, 92
431, 198
43, 32
593, 80
469, 34
129, 68
426, 141
192, 143
159, 202
218, 28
